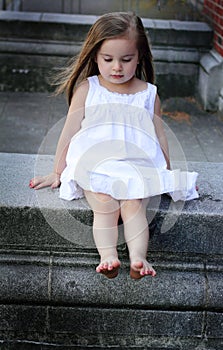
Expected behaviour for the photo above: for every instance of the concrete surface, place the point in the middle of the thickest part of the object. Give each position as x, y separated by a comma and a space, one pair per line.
31, 123
67, 225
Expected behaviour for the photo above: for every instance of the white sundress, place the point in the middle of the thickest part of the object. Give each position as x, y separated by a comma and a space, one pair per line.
116, 151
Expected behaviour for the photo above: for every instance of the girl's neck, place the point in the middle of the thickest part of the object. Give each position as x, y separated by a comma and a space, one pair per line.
129, 87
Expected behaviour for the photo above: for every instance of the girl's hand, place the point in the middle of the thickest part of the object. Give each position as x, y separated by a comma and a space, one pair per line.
51, 180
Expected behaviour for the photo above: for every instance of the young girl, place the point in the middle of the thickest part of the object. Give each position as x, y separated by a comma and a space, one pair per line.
112, 148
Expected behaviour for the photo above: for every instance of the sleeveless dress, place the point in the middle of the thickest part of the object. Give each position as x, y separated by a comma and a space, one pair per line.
117, 152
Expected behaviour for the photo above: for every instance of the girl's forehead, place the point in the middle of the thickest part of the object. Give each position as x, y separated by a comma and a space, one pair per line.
119, 43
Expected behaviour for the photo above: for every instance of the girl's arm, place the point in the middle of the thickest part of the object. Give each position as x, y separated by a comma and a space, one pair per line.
160, 132
71, 127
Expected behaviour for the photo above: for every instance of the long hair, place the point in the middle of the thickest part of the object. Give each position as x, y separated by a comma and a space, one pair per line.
108, 26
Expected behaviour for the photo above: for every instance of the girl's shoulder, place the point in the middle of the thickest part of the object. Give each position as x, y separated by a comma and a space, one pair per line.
82, 88
142, 85
80, 93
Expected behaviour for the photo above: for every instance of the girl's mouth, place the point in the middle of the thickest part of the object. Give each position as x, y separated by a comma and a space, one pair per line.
117, 76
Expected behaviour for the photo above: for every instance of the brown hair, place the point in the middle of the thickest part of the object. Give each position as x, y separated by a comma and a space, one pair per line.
107, 26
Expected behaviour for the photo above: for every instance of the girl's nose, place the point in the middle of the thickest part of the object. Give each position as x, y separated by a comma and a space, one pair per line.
117, 66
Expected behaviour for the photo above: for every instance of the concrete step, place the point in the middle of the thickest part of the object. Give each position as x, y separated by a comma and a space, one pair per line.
34, 46
50, 295
39, 219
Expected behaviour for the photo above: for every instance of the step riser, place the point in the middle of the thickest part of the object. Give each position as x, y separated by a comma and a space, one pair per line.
61, 280
28, 229
34, 74
141, 329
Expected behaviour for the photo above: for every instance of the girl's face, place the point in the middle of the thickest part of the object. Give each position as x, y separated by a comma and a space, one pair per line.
117, 60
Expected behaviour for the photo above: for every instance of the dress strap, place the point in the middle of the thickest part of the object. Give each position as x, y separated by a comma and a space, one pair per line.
93, 80
93, 87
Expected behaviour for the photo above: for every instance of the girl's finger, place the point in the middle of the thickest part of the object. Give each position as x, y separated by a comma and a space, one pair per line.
56, 184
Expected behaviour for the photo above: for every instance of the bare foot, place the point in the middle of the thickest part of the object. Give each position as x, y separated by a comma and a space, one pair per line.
140, 268
109, 267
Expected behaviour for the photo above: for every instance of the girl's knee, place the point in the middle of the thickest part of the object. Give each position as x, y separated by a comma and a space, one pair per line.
102, 203
130, 207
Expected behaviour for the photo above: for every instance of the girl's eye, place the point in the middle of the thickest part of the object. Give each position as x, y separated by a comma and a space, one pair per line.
123, 60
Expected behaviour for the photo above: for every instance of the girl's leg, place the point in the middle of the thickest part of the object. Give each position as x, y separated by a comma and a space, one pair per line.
105, 231
133, 214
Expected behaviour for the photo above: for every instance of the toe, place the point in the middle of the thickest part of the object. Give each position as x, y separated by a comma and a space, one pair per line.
109, 267
137, 266
140, 269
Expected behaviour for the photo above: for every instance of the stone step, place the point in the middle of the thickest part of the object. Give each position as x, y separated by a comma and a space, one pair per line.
61, 301
39, 219
51, 296
34, 46
73, 28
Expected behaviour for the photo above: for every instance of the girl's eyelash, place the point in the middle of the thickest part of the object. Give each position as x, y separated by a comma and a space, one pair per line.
123, 60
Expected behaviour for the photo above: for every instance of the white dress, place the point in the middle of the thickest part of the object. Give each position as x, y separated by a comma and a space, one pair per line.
116, 151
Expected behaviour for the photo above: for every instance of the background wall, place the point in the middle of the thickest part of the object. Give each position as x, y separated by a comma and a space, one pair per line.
213, 10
